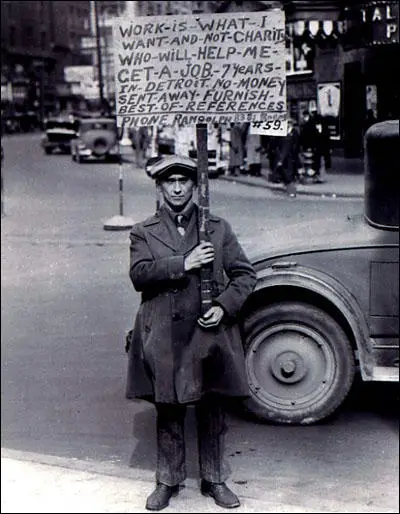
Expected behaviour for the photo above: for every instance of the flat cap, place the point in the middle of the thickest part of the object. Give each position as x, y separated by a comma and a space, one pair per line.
162, 167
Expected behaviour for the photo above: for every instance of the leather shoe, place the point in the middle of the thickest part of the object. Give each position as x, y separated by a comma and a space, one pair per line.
159, 498
221, 493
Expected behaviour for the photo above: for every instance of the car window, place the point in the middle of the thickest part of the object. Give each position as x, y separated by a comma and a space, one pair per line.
97, 125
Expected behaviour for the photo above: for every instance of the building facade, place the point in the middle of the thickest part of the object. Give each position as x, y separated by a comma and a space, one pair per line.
38, 39
340, 54
371, 55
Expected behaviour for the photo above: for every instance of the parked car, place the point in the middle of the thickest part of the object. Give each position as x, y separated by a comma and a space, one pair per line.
97, 140
326, 303
58, 134
214, 170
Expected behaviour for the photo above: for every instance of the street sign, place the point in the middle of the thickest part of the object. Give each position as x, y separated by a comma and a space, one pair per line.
185, 70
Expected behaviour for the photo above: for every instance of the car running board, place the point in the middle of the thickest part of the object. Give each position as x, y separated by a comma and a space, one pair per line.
385, 374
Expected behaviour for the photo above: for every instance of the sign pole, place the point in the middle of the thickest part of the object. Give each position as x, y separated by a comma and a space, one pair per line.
119, 222
204, 212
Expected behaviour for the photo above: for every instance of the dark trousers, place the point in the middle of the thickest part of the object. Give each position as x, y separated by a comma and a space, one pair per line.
211, 429
318, 156
286, 173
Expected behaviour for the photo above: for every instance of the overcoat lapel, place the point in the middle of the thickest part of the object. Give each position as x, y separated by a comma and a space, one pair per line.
165, 231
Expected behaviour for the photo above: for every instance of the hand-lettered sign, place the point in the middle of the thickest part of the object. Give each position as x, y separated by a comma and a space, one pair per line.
183, 70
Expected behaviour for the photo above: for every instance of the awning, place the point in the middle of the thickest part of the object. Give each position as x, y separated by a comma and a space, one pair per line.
315, 29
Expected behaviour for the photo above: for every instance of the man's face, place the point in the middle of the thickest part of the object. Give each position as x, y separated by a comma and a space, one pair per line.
177, 191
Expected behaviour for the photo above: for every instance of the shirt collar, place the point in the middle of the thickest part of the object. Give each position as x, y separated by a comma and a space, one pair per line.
187, 211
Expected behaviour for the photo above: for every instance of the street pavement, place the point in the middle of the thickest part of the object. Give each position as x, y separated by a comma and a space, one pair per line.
33, 482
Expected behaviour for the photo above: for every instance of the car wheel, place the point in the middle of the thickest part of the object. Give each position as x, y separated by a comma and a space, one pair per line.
48, 151
299, 363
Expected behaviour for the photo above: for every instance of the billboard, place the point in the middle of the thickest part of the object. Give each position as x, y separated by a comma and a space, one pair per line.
82, 80
78, 73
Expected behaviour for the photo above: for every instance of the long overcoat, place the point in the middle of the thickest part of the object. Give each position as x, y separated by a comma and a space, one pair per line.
171, 358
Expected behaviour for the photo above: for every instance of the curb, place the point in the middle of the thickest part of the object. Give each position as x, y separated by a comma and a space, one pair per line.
280, 189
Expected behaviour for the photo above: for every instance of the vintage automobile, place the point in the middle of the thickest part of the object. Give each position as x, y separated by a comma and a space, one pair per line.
326, 304
97, 140
58, 134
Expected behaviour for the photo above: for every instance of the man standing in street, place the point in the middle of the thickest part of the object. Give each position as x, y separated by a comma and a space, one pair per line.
237, 147
288, 158
178, 357
320, 144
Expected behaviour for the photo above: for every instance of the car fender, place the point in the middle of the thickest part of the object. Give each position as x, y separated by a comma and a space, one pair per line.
289, 274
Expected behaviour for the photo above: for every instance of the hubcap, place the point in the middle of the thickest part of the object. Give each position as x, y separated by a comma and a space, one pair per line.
290, 366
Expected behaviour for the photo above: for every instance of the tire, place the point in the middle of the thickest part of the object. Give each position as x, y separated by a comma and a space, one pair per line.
299, 363
48, 151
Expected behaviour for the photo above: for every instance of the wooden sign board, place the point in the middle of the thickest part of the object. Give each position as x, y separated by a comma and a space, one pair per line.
186, 70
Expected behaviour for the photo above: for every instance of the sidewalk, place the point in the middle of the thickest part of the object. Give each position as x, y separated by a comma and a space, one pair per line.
344, 180
34, 483
41, 485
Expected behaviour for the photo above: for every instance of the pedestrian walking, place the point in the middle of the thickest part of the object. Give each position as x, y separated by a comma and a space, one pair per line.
237, 146
321, 147
288, 157
253, 150
176, 357
308, 140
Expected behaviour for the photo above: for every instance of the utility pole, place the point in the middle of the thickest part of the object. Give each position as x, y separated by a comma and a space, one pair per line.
98, 48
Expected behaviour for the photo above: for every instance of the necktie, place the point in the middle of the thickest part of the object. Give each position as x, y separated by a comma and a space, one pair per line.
180, 224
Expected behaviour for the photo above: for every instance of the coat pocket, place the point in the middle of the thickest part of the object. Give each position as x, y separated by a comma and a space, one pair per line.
146, 316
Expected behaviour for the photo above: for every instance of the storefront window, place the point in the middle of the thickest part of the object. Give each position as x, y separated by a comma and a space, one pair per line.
300, 51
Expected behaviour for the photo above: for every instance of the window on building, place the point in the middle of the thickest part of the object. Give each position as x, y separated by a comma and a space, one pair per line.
12, 36
42, 39
28, 35
300, 54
